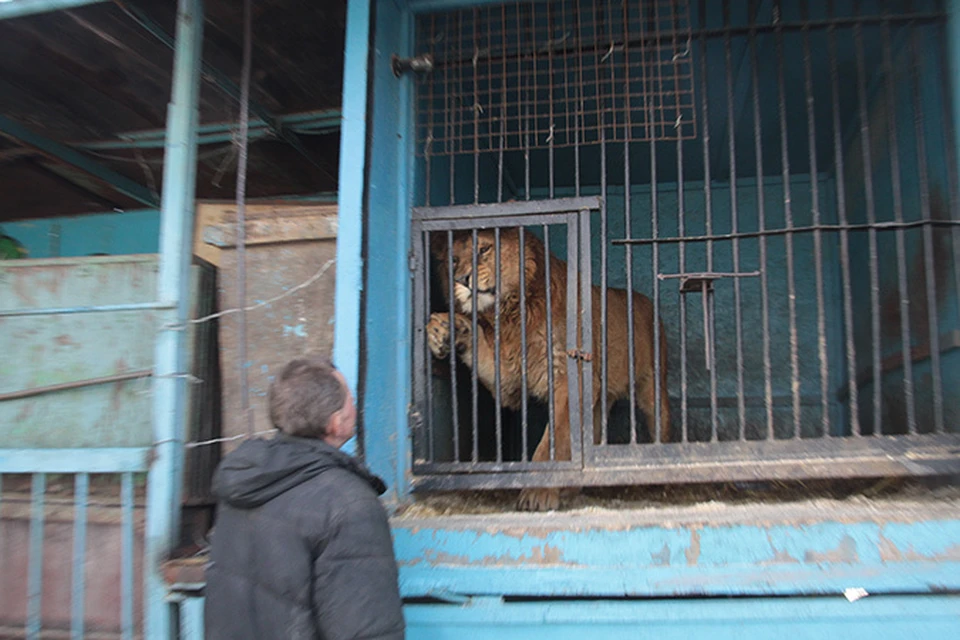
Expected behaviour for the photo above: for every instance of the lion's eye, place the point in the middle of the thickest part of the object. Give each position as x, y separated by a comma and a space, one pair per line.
484, 250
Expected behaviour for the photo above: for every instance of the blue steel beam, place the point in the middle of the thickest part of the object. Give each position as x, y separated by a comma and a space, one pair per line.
164, 481
227, 85
311, 122
122, 184
19, 8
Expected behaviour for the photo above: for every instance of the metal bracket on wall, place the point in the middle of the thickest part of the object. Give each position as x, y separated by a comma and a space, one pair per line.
418, 64
703, 283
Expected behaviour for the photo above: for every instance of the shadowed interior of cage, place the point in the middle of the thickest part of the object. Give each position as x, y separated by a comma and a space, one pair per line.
777, 179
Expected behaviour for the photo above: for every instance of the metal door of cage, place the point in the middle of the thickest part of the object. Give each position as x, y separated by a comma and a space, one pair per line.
572, 214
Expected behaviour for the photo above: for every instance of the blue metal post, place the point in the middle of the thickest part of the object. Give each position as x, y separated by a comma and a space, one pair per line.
353, 144
19, 8
164, 483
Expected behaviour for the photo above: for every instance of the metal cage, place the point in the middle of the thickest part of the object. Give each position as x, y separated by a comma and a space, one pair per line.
775, 182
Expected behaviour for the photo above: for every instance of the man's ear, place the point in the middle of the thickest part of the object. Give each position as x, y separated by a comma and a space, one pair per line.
333, 425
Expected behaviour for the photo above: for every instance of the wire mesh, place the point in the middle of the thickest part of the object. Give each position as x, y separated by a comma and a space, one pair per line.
537, 72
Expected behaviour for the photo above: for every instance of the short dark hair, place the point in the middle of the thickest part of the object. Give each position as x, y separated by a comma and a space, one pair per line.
304, 397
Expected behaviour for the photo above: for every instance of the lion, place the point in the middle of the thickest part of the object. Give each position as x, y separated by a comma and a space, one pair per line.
511, 389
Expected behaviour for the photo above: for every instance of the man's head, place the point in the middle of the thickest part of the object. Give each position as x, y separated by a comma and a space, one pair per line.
310, 399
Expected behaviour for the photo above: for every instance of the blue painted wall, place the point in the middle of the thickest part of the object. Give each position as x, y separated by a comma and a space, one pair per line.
110, 233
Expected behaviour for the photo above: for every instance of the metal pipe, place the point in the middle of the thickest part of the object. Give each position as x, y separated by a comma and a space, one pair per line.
126, 556
22, 8
241, 221
35, 555
80, 489
52, 311
77, 384
164, 482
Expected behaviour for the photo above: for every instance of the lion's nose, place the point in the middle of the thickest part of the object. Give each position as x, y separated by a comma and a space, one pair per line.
464, 280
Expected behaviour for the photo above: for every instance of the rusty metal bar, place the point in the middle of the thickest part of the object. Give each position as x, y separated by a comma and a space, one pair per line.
77, 384
933, 319
452, 346
818, 236
902, 284
767, 233
866, 154
788, 219
524, 425
474, 284
497, 396
734, 221
761, 221
851, 354
548, 319
890, 456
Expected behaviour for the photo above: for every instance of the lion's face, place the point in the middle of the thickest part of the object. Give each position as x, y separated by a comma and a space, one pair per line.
485, 278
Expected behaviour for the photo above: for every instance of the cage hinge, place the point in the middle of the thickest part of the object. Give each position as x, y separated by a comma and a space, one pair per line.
412, 262
418, 64
576, 354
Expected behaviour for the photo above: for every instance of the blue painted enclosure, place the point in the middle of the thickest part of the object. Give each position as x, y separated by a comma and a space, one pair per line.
609, 572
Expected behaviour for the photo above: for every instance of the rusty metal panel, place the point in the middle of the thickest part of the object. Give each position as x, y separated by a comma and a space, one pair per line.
281, 330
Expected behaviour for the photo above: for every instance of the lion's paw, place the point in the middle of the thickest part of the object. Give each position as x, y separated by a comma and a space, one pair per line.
539, 500
438, 335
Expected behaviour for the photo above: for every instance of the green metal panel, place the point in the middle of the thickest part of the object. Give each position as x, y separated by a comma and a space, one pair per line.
74, 346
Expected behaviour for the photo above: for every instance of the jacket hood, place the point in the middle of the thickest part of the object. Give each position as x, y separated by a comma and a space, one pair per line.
260, 470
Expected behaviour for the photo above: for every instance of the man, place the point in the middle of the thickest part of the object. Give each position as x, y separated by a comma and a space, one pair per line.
302, 547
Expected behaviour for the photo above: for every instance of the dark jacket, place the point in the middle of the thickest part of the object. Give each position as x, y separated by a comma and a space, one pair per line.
301, 547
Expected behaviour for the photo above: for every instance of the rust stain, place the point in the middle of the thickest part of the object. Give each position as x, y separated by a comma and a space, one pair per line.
65, 341
693, 551
545, 555
661, 558
846, 552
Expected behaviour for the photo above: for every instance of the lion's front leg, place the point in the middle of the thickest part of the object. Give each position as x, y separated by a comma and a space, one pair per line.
548, 499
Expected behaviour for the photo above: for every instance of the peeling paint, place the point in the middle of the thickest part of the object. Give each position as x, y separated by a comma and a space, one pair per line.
845, 552
662, 557
693, 551
298, 330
